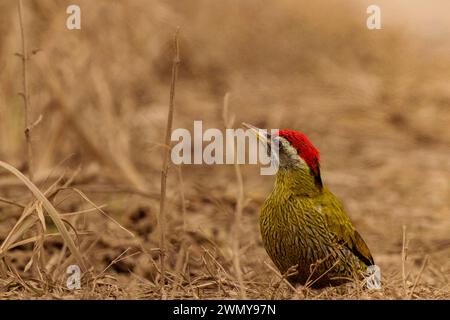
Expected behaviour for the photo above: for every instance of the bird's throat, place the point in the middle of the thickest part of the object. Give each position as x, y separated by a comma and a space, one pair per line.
296, 181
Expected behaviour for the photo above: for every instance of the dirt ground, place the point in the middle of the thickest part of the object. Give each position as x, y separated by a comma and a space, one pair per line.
376, 103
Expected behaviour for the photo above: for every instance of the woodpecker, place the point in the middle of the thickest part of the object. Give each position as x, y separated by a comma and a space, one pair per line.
304, 227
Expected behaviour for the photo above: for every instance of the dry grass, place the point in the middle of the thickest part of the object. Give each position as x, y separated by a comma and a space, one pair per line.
165, 169
376, 103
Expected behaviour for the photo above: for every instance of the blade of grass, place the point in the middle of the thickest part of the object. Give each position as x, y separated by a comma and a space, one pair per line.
54, 215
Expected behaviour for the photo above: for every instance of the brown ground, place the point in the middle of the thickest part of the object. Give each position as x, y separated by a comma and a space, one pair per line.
375, 103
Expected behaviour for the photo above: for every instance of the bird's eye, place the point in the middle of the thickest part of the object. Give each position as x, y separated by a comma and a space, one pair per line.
276, 147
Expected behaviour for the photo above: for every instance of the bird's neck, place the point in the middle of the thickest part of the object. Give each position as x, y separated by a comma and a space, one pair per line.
296, 181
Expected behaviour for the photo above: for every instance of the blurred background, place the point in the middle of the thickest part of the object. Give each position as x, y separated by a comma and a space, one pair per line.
376, 103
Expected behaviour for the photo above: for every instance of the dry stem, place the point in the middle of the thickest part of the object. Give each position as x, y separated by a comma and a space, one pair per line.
228, 121
165, 168
25, 93
404, 257
424, 264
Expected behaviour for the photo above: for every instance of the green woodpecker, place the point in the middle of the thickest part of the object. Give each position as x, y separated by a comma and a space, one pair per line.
304, 227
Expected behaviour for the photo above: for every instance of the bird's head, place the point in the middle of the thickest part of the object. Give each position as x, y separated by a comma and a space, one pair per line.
295, 151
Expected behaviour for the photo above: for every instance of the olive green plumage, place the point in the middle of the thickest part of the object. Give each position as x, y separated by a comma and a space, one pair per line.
302, 223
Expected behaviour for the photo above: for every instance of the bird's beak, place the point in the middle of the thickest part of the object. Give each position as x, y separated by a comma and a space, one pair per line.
271, 146
260, 134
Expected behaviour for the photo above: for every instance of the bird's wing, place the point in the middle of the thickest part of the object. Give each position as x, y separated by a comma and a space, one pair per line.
340, 225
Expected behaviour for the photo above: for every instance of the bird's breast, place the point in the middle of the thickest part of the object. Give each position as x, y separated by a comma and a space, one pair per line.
292, 232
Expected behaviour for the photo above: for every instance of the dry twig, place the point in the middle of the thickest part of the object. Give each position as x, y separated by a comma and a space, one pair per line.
25, 94
165, 168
